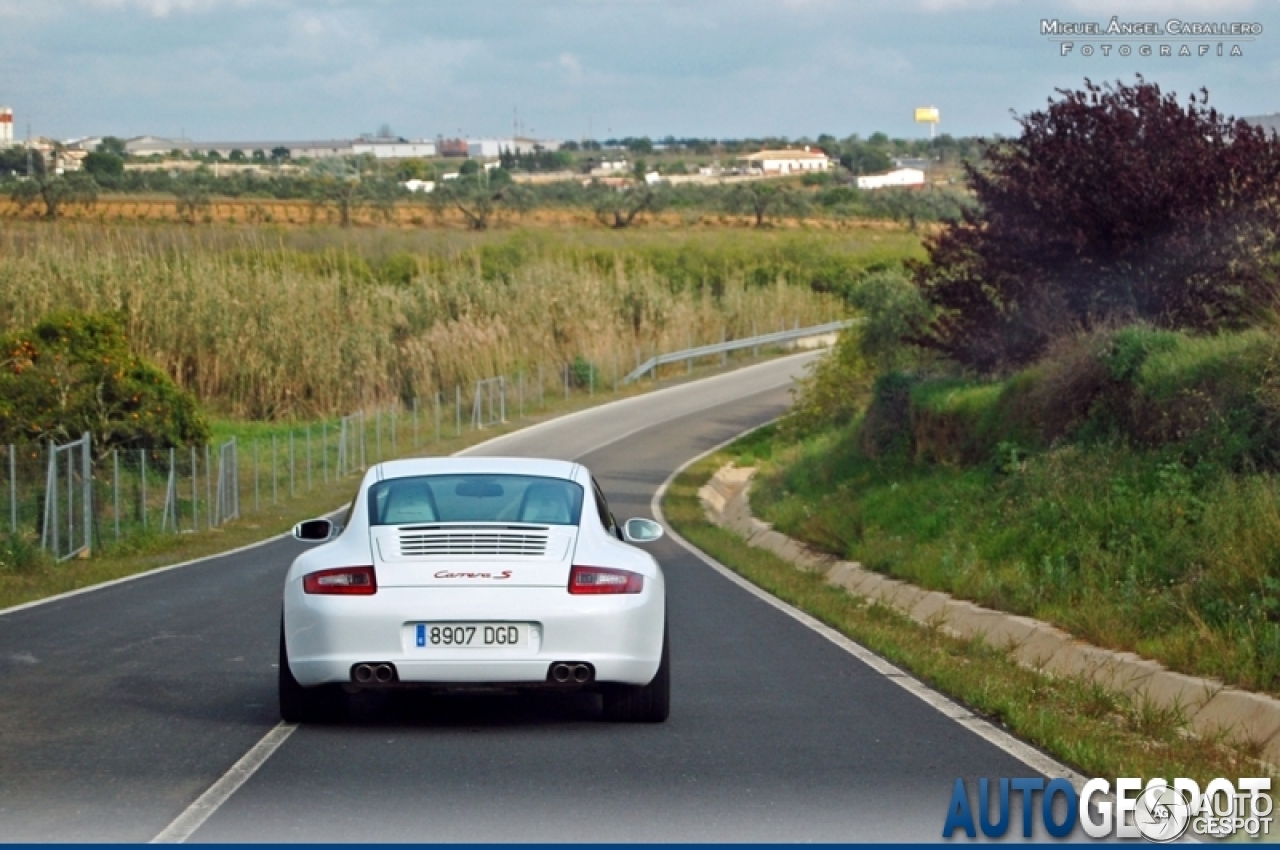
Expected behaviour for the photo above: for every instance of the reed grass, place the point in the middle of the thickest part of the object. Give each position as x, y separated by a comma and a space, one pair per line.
275, 324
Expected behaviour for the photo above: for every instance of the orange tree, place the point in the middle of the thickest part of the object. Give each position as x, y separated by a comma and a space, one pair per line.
74, 372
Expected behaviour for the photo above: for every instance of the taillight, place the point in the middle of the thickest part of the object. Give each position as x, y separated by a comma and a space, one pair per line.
346, 581
604, 580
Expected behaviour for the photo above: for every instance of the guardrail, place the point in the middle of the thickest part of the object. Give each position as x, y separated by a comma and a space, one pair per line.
736, 345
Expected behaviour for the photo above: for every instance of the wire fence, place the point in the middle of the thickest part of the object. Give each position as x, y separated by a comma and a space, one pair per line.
77, 499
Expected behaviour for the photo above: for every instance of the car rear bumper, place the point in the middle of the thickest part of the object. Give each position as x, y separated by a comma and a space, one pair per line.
619, 635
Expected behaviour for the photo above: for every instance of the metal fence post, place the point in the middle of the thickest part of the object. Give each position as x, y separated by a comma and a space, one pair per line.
170, 508
257, 504
195, 494
364, 442
49, 524
143, 455
115, 486
13, 490
208, 487
86, 473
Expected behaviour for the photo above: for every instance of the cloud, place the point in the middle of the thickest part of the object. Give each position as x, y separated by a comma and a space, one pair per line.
570, 63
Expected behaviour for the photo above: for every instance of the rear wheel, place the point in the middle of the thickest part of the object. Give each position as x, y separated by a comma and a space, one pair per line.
649, 703
300, 704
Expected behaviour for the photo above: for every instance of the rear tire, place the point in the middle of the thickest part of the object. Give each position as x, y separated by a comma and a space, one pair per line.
649, 703
300, 704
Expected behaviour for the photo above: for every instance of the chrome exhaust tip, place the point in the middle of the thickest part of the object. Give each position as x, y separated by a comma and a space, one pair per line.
581, 673
384, 673
561, 672
363, 673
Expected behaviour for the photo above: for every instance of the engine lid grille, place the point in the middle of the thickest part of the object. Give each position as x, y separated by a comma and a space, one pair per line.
426, 544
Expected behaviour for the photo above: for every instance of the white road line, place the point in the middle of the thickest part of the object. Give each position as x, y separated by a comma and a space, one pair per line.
210, 801
1020, 750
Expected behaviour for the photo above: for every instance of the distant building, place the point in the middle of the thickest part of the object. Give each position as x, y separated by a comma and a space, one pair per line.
488, 148
395, 149
911, 162
1270, 123
900, 177
451, 147
149, 145
778, 162
608, 167
6, 127
426, 187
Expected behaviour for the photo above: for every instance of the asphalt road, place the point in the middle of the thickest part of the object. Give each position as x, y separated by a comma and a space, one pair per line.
120, 707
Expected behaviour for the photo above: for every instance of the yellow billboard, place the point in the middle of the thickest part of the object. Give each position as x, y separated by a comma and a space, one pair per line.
926, 115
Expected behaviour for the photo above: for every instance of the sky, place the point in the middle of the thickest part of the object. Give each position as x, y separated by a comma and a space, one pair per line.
222, 70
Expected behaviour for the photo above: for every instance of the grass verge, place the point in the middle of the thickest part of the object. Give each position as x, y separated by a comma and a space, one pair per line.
27, 574
1098, 732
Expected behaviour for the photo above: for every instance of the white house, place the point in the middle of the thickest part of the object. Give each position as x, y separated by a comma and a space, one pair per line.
424, 186
900, 177
790, 161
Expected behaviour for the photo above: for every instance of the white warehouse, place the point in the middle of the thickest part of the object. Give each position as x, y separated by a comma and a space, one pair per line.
395, 149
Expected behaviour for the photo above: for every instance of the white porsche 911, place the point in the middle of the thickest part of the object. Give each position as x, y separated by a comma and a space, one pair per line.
456, 573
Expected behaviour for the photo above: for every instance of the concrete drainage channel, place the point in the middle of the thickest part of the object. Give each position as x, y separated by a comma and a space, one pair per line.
1209, 706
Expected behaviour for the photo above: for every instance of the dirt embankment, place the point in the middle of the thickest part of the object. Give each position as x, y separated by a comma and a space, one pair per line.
160, 208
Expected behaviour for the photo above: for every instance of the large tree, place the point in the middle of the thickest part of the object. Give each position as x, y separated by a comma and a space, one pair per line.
55, 191
1116, 203
763, 198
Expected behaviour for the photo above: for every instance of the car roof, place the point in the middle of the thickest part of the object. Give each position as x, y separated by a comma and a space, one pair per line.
477, 466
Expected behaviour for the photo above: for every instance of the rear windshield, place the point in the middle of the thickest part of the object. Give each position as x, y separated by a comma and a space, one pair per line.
475, 498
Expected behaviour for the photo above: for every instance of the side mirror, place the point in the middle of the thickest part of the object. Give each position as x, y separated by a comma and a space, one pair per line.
315, 529
641, 530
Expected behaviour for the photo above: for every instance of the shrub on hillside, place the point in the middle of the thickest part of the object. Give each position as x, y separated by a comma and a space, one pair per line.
887, 306
1115, 203
73, 373
1209, 399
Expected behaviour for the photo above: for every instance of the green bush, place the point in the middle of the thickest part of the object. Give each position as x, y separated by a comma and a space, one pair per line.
1205, 399
73, 373
20, 553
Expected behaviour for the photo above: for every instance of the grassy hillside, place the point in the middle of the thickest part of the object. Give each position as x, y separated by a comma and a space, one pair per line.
1124, 488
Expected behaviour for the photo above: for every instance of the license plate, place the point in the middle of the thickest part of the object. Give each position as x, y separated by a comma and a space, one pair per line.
470, 635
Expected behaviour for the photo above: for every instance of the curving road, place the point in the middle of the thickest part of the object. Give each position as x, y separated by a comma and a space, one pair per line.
121, 707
